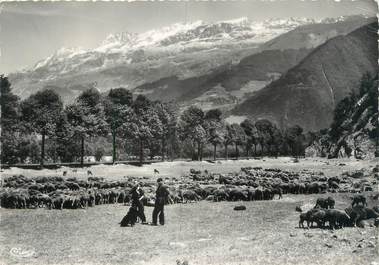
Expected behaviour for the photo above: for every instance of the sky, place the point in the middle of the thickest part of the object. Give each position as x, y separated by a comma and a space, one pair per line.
31, 31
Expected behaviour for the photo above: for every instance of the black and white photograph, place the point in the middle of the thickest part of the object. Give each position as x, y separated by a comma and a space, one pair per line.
189, 132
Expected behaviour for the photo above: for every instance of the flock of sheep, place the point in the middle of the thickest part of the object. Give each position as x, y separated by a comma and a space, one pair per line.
324, 212
248, 184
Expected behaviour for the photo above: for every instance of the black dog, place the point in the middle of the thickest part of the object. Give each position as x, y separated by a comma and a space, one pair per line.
130, 217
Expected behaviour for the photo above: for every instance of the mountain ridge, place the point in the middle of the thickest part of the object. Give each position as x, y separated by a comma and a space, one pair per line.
184, 51
321, 79
240, 80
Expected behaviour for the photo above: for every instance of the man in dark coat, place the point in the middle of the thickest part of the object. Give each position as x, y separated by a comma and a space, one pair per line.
137, 195
161, 197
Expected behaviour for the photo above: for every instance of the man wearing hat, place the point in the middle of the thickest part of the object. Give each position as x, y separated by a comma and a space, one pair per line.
161, 197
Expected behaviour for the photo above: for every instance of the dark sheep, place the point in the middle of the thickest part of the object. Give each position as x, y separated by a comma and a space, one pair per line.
277, 191
268, 194
190, 195
258, 194
313, 188
220, 195
357, 199
333, 185
325, 203
238, 194
72, 185
303, 217
360, 212
317, 216
196, 172
337, 218
58, 201
313, 215
49, 187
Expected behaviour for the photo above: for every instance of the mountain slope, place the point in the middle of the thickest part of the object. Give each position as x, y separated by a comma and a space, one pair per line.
313, 35
309, 92
354, 131
130, 60
179, 51
239, 81
264, 66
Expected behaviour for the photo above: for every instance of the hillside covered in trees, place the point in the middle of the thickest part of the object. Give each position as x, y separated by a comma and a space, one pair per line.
354, 131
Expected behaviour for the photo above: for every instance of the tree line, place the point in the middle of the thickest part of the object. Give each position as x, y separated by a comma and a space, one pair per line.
40, 127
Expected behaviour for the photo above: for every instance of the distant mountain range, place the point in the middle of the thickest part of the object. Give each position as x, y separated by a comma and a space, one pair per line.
248, 68
308, 93
128, 59
230, 85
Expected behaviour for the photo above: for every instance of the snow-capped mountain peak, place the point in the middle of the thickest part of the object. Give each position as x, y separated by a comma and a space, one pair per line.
176, 38
130, 59
129, 40
240, 29
60, 55
242, 21
123, 37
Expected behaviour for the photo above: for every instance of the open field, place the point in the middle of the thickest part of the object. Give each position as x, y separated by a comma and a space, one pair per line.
331, 167
200, 233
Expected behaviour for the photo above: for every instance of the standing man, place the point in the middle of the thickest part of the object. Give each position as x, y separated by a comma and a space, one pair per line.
161, 197
137, 195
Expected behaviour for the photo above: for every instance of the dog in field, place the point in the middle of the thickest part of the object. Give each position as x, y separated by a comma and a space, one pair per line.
89, 172
64, 173
130, 218
156, 171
